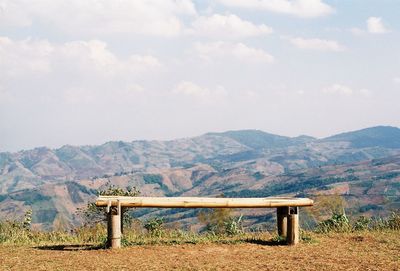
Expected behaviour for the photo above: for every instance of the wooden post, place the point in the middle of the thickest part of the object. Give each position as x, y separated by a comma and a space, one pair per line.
293, 233
281, 219
114, 226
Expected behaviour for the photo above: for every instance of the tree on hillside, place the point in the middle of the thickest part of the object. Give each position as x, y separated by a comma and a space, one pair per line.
92, 215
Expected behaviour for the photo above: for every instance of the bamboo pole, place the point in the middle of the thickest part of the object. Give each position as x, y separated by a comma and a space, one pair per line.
198, 202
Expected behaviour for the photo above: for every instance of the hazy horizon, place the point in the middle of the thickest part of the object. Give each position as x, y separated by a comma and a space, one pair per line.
190, 136
85, 73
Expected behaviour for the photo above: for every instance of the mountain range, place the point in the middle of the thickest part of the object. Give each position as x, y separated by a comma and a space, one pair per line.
363, 166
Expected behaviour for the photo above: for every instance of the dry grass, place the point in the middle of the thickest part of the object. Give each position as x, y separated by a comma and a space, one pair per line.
351, 251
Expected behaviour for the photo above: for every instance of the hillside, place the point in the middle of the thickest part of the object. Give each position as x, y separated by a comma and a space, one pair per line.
363, 166
381, 136
256, 139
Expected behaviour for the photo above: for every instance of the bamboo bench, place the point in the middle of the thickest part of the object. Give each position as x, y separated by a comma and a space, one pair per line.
287, 211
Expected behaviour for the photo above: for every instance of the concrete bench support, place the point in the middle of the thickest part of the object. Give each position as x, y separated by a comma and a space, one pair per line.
293, 229
114, 223
282, 214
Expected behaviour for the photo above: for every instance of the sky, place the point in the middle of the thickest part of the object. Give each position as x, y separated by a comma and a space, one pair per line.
87, 72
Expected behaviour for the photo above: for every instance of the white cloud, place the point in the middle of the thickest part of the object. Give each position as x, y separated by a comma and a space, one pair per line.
317, 44
238, 51
357, 31
5, 96
339, 89
30, 57
228, 26
142, 63
299, 8
376, 26
365, 92
87, 56
77, 72
89, 95
134, 88
79, 95
396, 80
26, 56
190, 89
12, 13
99, 17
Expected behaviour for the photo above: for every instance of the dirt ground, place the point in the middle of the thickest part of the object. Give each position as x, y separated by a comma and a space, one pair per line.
336, 252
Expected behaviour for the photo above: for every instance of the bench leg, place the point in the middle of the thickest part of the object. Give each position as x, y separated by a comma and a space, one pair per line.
122, 220
281, 219
114, 227
293, 229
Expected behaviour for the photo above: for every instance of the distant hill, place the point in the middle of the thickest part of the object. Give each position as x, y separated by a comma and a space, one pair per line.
380, 136
54, 182
257, 139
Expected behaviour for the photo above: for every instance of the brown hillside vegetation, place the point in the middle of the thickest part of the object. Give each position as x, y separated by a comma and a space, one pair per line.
352, 251
363, 167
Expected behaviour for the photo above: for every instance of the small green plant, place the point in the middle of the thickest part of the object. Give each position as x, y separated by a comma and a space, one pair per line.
17, 231
233, 225
390, 223
362, 224
221, 221
393, 222
279, 239
307, 237
26, 223
155, 226
337, 223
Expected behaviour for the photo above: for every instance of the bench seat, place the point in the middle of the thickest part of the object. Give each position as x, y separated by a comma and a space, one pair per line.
202, 202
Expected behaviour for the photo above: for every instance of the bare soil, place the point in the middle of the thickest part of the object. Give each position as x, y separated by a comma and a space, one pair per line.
369, 251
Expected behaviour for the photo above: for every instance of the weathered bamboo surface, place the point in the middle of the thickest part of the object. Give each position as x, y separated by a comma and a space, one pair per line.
199, 202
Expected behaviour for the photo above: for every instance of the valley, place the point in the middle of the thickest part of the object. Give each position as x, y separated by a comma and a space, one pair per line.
362, 166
